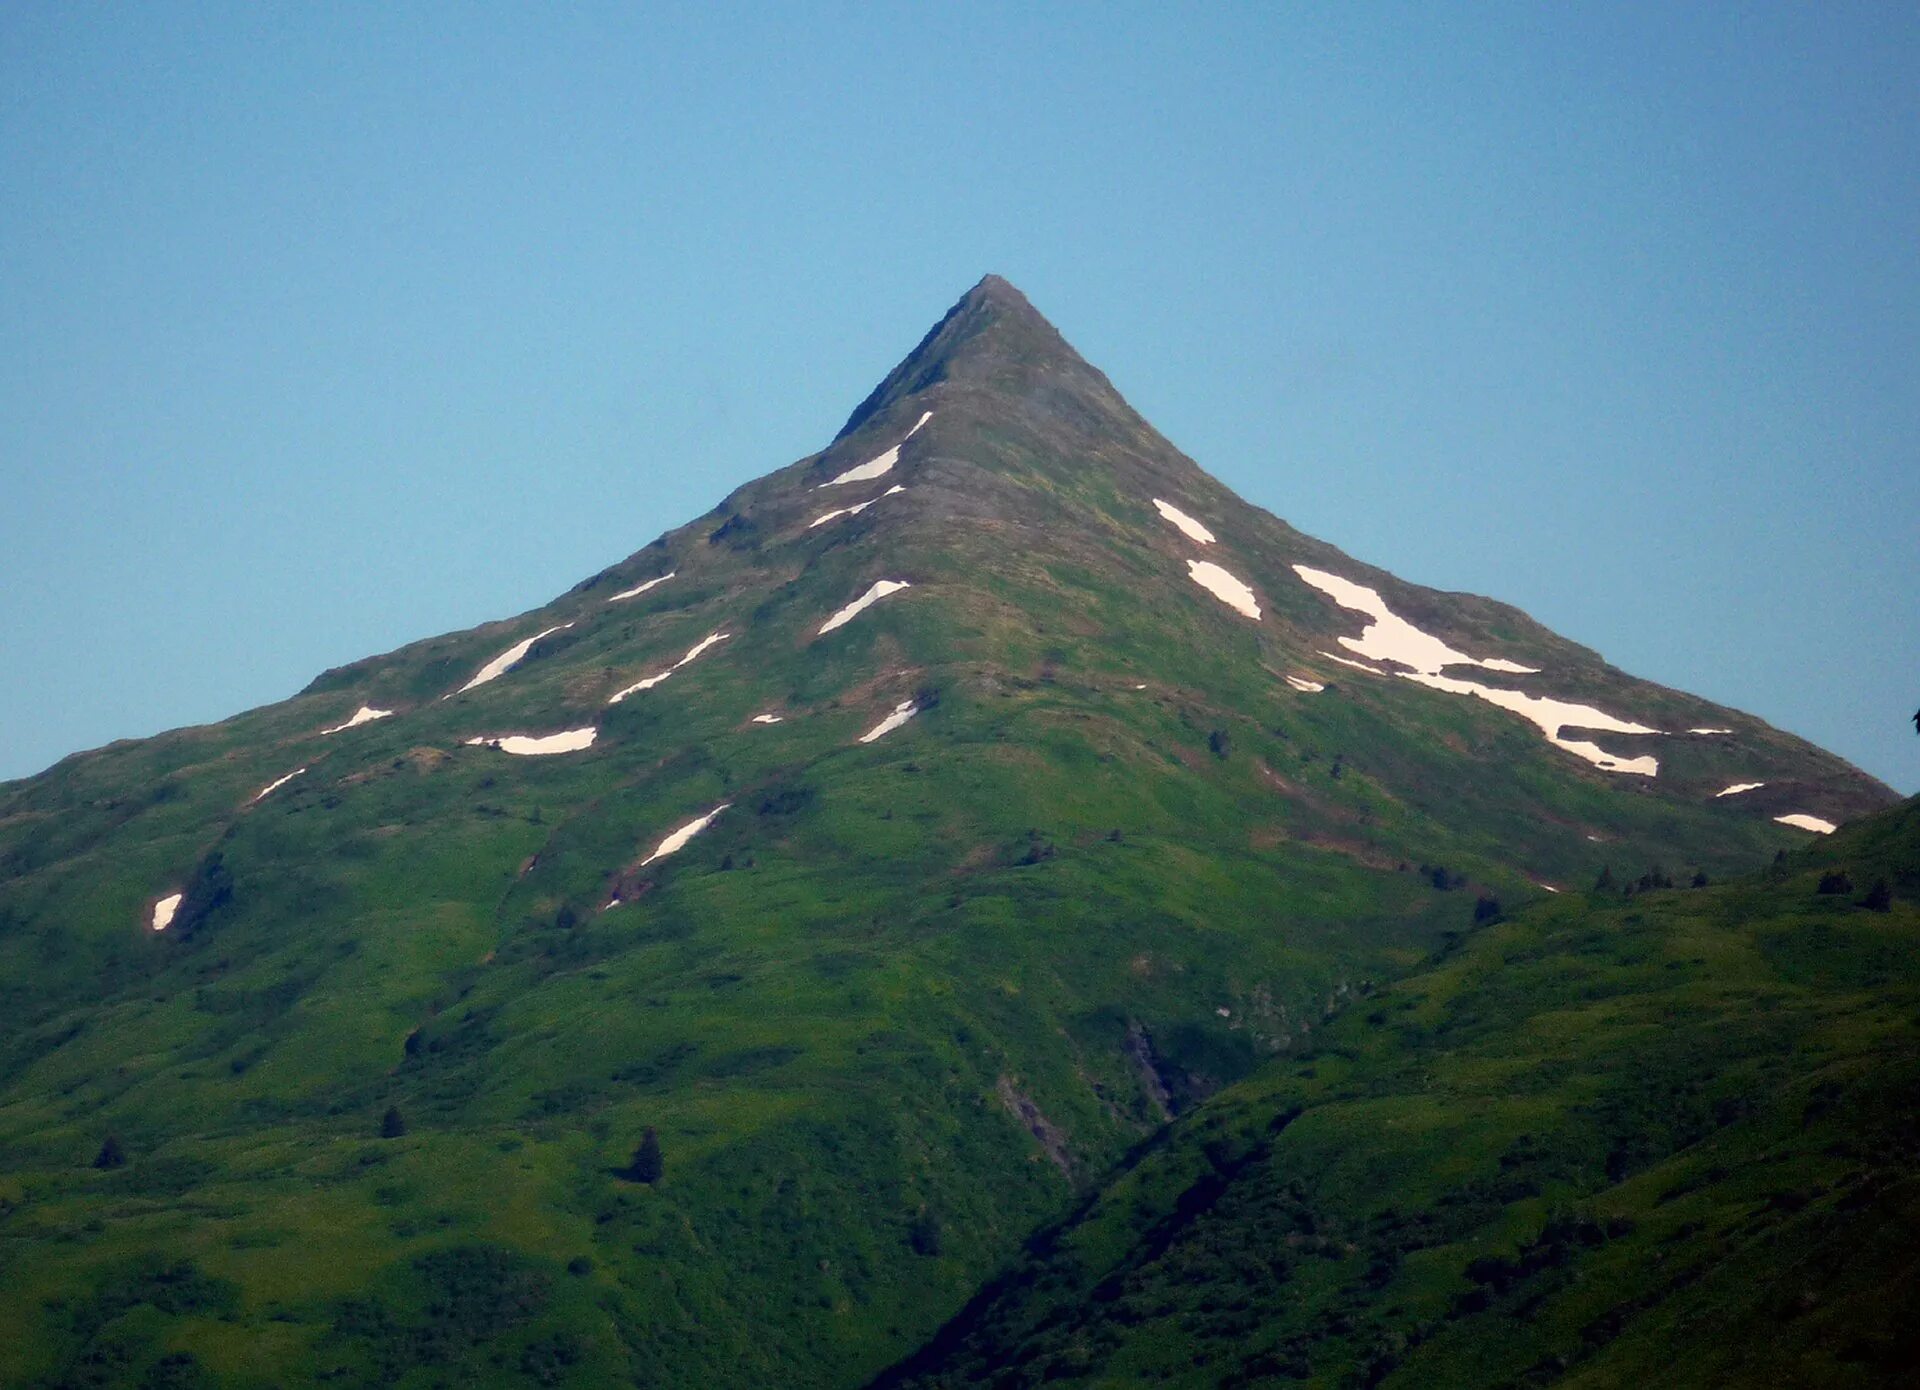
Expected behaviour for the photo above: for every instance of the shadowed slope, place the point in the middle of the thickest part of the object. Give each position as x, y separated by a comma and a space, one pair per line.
1669, 1142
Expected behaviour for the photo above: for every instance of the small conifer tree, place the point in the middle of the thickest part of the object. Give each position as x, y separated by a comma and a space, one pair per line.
647, 1165
392, 1124
111, 1154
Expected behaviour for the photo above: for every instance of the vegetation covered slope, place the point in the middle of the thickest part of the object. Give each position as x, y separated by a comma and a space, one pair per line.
1670, 1140
366, 1109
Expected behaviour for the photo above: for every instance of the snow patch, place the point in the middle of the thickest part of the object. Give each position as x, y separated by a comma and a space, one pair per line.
902, 712
880, 590
872, 468
366, 714
825, 517
646, 683
1193, 529
1390, 637
879, 465
651, 681
1305, 687
702, 645
1223, 586
534, 745
507, 660
1737, 788
640, 589
1548, 886
163, 911
1709, 731
1551, 716
1357, 665
766, 719
678, 840
1800, 821
274, 785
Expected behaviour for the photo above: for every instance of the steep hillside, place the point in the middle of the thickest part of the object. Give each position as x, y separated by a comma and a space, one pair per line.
1670, 1140
901, 843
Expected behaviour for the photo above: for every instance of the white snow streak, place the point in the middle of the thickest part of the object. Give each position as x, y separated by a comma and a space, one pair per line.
1800, 821
877, 466
651, 681
1305, 687
163, 911
902, 712
1709, 731
640, 589
1223, 586
766, 719
678, 840
271, 786
825, 517
1192, 528
1389, 637
1737, 788
880, 590
366, 714
533, 745
1551, 716
507, 660
702, 645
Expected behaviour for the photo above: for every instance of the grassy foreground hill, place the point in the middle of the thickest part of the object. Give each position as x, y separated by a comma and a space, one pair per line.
1672, 1140
328, 1034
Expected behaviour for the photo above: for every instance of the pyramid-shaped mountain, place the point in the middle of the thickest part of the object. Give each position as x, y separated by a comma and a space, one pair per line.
719, 971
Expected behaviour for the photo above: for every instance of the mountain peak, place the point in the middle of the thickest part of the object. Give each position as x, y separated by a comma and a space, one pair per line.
994, 340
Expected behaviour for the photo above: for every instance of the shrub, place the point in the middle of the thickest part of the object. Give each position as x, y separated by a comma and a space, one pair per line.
924, 1234
1835, 881
392, 1124
1879, 897
112, 1154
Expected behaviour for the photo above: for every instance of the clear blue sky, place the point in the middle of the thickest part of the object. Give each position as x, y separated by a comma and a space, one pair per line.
324, 328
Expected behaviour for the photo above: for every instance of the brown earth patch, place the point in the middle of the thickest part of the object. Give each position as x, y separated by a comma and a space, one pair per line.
1051, 1138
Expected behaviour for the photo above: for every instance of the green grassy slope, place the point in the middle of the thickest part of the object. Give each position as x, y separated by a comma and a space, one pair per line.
902, 1003
1668, 1140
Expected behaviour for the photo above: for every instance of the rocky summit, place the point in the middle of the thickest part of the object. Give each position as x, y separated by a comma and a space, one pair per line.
985, 904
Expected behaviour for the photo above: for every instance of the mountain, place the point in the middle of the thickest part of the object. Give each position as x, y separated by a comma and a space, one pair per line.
720, 972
